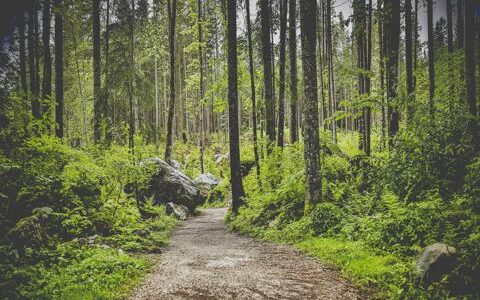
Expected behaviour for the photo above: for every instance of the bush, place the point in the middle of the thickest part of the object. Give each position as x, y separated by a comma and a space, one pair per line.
325, 217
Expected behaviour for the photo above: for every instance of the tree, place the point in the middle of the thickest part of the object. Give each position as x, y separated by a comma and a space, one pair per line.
132, 106
59, 69
21, 49
331, 76
235, 175
311, 138
292, 48
200, 56
469, 50
281, 97
267, 70
97, 104
409, 56
172, 11
47, 58
431, 58
460, 24
451, 86
252, 85
32, 15
392, 39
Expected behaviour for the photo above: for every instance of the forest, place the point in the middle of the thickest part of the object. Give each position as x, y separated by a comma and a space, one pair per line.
239, 149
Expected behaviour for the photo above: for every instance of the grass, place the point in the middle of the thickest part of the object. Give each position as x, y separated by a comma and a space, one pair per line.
359, 263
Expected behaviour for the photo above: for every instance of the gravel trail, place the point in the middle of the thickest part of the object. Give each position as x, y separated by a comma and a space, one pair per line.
206, 261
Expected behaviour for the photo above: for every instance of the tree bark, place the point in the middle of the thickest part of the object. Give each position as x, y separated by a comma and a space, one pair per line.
431, 59
469, 49
172, 11
202, 109
267, 70
59, 69
292, 48
235, 174
132, 106
23, 62
281, 97
308, 10
47, 57
408, 57
460, 23
392, 40
331, 76
97, 102
31, 62
252, 85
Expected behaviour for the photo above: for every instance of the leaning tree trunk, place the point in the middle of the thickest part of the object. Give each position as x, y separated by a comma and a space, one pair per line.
252, 85
59, 69
308, 10
267, 69
292, 48
172, 11
281, 95
97, 102
235, 175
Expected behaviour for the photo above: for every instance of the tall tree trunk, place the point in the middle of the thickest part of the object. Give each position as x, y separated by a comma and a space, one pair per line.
97, 102
360, 32
292, 48
308, 10
59, 68
368, 66
132, 106
281, 97
392, 40
381, 39
157, 127
267, 70
331, 76
431, 59
31, 62
47, 57
451, 87
469, 46
252, 85
172, 12
460, 23
106, 102
235, 174
202, 109
23, 62
37, 65
408, 57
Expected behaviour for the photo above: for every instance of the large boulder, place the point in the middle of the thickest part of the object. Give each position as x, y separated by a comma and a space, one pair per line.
178, 211
206, 183
171, 185
436, 260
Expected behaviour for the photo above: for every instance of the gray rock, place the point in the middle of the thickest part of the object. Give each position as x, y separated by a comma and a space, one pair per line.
120, 252
436, 260
175, 164
171, 185
179, 211
105, 246
206, 181
219, 158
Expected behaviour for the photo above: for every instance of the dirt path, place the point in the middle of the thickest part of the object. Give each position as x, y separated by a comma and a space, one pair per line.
205, 261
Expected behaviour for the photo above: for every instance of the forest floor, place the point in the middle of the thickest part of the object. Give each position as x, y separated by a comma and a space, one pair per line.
206, 261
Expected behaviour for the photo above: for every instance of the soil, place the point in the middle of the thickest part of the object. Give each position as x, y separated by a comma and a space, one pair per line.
206, 261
